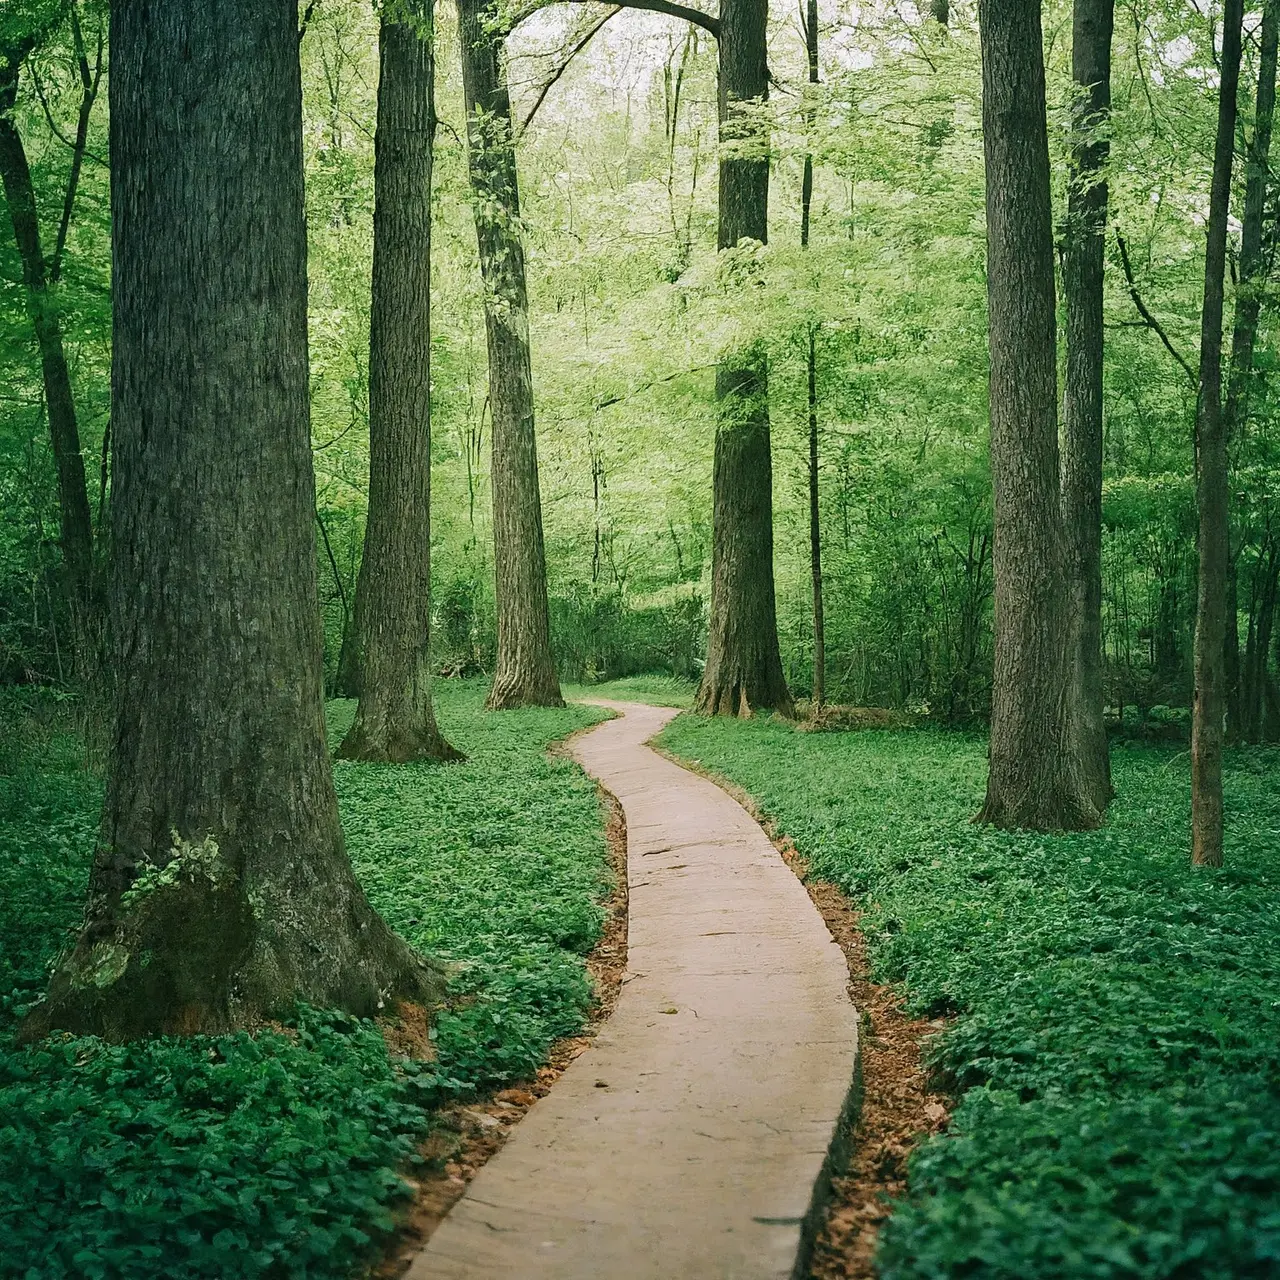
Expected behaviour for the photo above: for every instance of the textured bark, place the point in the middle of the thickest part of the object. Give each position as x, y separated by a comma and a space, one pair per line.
221, 892
1035, 780
1209, 706
1082, 279
815, 508
75, 521
744, 667
394, 719
1252, 271
526, 671
1241, 719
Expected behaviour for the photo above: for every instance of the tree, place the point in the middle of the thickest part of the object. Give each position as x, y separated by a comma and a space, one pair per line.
809, 21
394, 718
221, 892
40, 278
1082, 280
526, 669
1244, 696
744, 667
940, 11
1035, 779
1209, 707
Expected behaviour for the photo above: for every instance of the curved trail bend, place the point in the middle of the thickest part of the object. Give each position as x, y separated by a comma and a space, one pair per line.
686, 1143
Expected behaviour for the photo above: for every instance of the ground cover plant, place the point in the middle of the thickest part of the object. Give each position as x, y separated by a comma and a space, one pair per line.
1116, 1042
277, 1154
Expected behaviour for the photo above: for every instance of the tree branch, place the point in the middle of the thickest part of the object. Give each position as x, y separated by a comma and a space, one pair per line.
645, 386
1148, 319
563, 65
668, 7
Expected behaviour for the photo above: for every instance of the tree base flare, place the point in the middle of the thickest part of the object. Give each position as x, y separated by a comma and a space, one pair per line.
508, 693
380, 743
197, 955
733, 698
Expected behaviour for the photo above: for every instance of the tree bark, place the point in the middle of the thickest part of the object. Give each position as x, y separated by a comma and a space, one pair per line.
525, 674
815, 509
75, 521
1035, 780
744, 667
1209, 706
1248, 303
1082, 278
221, 892
394, 719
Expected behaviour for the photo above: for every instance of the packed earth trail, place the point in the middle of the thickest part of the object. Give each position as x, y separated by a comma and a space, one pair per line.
692, 1139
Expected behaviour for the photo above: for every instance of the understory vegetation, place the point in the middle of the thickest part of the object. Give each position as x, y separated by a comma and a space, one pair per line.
278, 1153
1115, 1042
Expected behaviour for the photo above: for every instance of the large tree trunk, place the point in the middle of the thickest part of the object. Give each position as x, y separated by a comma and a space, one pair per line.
75, 522
744, 667
1209, 706
221, 892
394, 720
526, 669
1035, 779
1082, 279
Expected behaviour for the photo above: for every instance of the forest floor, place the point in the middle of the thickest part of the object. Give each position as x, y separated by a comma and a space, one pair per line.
280, 1153
1109, 1017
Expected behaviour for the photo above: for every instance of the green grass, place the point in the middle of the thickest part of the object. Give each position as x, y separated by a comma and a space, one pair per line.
1116, 1042
241, 1156
657, 690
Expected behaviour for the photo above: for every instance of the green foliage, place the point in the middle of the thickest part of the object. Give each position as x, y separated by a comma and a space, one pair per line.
277, 1154
657, 690
1116, 1046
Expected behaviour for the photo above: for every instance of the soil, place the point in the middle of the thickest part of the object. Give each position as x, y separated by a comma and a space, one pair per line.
898, 1107
465, 1135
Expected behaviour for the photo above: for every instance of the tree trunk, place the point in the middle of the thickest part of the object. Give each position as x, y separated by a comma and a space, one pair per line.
525, 673
76, 525
940, 10
1209, 706
1248, 303
1082, 278
1252, 273
744, 666
394, 720
221, 892
1035, 780
815, 508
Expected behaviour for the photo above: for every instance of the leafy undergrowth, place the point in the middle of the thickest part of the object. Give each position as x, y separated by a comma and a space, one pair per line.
1117, 1046
657, 690
276, 1154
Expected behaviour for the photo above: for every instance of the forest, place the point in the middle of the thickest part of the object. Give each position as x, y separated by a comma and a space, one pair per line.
447, 449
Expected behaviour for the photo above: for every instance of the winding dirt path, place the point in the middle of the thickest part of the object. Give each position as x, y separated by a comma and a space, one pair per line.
691, 1140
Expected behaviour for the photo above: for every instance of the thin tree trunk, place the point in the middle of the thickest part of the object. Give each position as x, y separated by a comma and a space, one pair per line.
815, 510
1082, 278
1035, 779
76, 524
1248, 303
221, 892
394, 719
525, 674
744, 666
1209, 706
